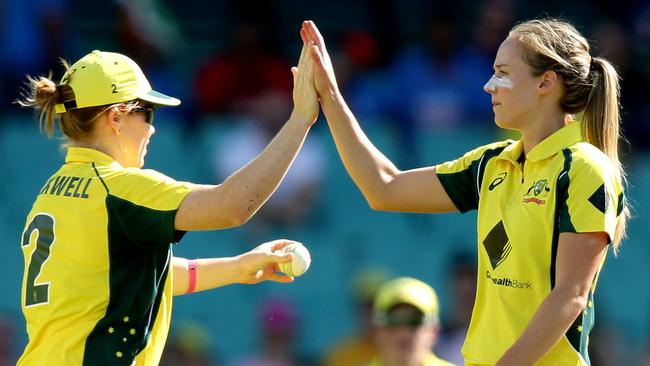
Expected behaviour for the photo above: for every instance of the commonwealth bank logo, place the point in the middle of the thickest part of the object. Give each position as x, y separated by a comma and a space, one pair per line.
497, 245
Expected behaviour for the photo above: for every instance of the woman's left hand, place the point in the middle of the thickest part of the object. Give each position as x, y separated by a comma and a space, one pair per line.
305, 98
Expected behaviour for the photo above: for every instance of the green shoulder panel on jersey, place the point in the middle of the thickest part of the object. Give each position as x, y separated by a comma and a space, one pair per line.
462, 178
139, 238
595, 197
139, 255
148, 188
562, 218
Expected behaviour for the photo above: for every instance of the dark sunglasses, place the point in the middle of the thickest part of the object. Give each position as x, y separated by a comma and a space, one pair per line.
148, 113
399, 319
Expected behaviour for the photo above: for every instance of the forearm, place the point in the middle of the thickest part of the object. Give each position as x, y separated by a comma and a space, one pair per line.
551, 321
371, 170
253, 184
210, 273
236, 200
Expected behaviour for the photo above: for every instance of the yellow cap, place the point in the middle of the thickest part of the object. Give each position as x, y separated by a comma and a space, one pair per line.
407, 290
103, 78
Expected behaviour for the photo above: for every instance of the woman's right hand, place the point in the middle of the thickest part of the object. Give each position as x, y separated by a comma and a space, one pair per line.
305, 99
324, 77
263, 263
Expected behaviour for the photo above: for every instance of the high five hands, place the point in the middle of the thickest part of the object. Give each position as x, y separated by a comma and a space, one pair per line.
305, 99
314, 77
323, 73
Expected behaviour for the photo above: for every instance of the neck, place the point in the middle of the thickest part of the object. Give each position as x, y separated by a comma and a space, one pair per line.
541, 126
99, 145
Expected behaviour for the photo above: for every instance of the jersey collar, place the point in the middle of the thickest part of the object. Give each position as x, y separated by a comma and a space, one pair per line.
86, 155
564, 137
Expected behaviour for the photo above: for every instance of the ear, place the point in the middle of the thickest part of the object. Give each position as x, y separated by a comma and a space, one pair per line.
547, 82
113, 120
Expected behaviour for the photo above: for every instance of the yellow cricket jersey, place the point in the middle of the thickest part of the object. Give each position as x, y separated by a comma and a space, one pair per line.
563, 185
97, 285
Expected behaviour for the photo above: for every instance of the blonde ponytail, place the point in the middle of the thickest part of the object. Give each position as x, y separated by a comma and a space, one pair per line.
601, 123
43, 94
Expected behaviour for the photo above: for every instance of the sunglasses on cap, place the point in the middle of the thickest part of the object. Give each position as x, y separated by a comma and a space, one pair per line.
410, 319
148, 113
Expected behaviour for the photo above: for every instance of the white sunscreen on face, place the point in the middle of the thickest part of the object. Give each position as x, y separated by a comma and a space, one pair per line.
500, 81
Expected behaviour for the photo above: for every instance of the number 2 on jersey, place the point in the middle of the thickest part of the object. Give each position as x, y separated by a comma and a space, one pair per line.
43, 223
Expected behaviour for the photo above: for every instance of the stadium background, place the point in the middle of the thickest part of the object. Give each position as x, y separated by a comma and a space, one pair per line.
380, 48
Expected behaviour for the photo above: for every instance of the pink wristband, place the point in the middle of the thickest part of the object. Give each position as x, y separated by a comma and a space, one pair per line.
191, 267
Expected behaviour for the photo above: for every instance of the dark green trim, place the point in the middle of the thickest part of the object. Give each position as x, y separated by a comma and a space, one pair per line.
463, 187
599, 198
562, 217
100, 178
139, 258
458, 187
621, 204
488, 155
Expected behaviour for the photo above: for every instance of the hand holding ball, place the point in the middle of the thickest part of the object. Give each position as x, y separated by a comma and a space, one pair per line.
299, 264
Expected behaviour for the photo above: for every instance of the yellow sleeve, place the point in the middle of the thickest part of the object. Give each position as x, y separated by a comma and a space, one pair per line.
595, 197
462, 178
144, 204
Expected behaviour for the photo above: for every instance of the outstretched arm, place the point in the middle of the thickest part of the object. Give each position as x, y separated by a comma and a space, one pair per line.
383, 185
236, 200
258, 265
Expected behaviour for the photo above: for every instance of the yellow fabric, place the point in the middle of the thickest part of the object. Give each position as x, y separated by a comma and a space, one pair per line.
429, 360
104, 78
407, 290
518, 213
352, 352
107, 237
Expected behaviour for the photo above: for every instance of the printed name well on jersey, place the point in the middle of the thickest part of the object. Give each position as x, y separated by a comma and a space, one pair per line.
68, 186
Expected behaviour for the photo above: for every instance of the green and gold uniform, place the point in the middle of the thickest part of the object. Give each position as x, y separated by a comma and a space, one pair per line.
563, 185
97, 287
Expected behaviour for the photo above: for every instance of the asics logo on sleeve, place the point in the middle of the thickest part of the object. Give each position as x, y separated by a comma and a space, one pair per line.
498, 180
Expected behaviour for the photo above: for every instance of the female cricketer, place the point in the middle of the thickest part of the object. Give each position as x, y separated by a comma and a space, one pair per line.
548, 204
99, 270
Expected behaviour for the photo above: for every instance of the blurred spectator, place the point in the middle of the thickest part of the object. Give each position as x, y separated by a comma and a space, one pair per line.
148, 34
462, 276
231, 80
7, 341
297, 195
613, 42
439, 84
359, 348
359, 54
406, 317
279, 329
605, 345
32, 34
188, 345
495, 18
432, 85
644, 356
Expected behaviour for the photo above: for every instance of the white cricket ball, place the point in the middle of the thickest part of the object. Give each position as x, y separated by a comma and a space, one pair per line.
299, 264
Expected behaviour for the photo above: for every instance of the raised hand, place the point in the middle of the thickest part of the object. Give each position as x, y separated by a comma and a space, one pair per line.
305, 98
324, 77
261, 263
